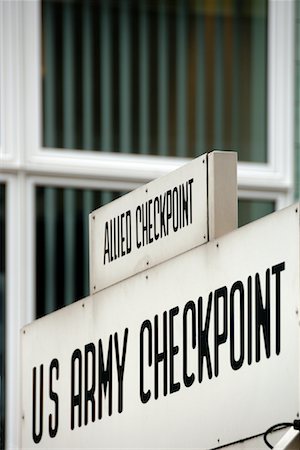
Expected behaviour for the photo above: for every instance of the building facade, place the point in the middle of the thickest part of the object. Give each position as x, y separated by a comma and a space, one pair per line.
99, 97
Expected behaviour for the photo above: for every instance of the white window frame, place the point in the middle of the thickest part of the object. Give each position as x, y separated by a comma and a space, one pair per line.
18, 309
24, 164
276, 174
278, 198
10, 85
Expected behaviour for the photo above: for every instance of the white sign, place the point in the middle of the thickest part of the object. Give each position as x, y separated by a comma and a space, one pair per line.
161, 219
198, 352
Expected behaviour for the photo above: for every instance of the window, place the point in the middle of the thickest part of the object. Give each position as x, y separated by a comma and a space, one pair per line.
164, 77
62, 260
249, 210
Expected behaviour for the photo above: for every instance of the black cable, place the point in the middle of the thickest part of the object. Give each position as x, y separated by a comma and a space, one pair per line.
296, 424
280, 426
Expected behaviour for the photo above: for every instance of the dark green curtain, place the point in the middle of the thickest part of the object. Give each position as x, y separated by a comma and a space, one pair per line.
2, 314
158, 77
249, 210
62, 258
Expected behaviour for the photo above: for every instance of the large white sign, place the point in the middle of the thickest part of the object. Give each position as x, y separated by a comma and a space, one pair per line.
198, 352
161, 219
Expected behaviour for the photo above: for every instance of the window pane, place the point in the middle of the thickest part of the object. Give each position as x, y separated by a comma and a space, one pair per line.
62, 236
250, 210
62, 260
2, 314
164, 77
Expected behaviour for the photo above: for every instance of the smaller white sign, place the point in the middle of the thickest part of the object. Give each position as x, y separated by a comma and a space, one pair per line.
162, 219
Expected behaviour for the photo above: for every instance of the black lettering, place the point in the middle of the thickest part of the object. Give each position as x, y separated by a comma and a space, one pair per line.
220, 337
160, 357
203, 344
169, 208
180, 209
122, 234
89, 373
162, 216
37, 436
53, 427
237, 363
76, 399
121, 367
173, 350
105, 378
144, 224
111, 241
191, 202
115, 239
118, 234
175, 209
185, 212
106, 244
150, 236
249, 284
262, 315
128, 231
190, 306
137, 221
276, 271
156, 213
145, 396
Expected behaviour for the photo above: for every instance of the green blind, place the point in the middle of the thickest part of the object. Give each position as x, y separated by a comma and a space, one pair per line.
2, 314
62, 260
62, 264
250, 210
161, 77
